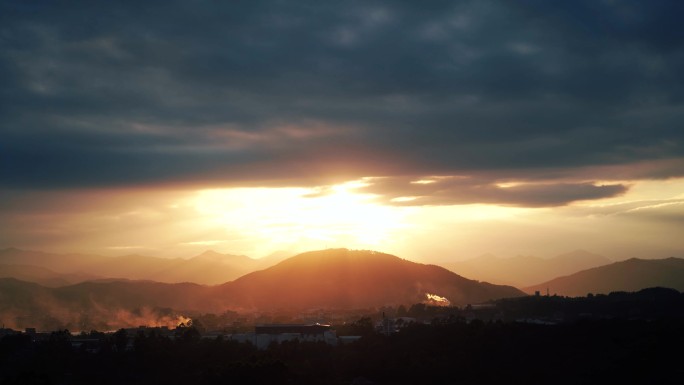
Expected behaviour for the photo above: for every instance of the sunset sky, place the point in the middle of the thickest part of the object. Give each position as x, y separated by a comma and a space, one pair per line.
435, 131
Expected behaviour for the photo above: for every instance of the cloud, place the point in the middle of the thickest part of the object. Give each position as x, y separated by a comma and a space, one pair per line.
663, 211
272, 93
455, 190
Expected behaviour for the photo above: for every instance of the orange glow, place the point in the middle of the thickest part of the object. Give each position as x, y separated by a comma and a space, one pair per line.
187, 221
302, 218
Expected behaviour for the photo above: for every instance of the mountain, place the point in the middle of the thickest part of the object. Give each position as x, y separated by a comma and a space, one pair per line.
212, 268
125, 294
16, 294
526, 270
630, 275
43, 276
341, 278
105, 305
209, 268
60, 263
338, 278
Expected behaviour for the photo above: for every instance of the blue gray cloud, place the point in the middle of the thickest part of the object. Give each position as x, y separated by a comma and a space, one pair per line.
100, 94
437, 191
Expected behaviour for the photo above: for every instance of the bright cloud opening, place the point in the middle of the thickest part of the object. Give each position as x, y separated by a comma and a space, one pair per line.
299, 218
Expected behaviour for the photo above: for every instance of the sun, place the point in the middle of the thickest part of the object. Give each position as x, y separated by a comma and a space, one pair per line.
301, 218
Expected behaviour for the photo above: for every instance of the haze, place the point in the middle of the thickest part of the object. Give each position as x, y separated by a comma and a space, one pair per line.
435, 132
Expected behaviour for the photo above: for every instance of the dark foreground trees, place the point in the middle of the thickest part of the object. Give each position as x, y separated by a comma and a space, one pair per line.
587, 352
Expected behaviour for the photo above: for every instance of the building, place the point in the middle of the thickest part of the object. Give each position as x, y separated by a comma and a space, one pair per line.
264, 335
302, 329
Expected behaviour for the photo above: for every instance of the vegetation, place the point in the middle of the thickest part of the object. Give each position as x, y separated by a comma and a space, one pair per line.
453, 352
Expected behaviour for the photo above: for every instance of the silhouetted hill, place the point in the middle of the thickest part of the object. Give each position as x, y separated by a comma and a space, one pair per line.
114, 294
15, 293
102, 305
341, 278
526, 270
630, 275
25, 304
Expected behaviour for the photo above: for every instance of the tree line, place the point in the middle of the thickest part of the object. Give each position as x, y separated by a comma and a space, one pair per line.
446, 351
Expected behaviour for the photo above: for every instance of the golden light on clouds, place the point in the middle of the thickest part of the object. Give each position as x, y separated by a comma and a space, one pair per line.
259, 221
301, 218
147, 156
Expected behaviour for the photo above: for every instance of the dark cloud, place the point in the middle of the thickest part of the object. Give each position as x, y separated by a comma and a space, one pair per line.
277, 93
412, 191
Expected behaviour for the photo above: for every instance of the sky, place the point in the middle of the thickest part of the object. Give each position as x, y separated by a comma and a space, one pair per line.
434, 130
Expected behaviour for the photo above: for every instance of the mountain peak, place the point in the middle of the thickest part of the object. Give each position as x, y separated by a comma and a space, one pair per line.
210, 253
343, 278
340, 253
584, 255
216, 256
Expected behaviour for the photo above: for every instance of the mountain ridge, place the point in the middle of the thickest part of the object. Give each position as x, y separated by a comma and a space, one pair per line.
209, 267
43, 276
333, 279
629, 275
355, 277
525, 270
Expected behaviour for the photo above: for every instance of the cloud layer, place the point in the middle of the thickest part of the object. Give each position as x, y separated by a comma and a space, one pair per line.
466, 190
563, 97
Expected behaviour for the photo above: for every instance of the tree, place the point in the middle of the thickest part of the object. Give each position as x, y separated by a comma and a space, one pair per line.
363, 326
120, 340
188, 334
417, 310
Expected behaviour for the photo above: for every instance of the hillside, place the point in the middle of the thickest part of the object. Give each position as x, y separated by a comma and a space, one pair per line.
105, 305
352, 279
630, 275
522, 270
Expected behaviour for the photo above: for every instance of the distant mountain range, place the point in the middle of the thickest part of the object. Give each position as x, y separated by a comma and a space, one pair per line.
333, 279
521, 271
43, 276
67, 290
630, 275
212, 268
209, 268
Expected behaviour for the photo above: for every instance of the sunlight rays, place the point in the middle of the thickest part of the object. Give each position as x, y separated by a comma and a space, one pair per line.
301, 218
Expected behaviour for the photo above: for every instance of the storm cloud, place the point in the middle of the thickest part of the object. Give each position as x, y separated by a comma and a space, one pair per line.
570, 98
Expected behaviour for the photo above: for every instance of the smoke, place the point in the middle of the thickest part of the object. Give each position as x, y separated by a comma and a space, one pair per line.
145, 317
50, 317
436, 300
48, 310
